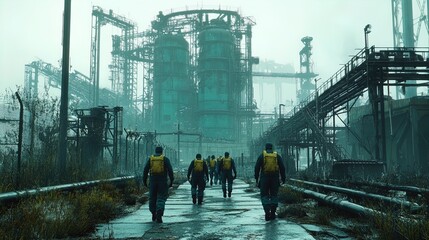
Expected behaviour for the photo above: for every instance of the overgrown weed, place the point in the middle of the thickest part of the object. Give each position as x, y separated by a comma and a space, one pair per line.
59, 215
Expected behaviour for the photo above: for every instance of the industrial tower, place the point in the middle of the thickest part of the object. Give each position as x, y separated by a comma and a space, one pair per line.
201, 72
306, 70
406, 30
123, 68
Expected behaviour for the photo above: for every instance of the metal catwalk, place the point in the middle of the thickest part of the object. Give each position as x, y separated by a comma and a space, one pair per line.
368, 71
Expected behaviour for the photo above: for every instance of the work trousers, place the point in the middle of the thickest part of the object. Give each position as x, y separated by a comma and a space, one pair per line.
213, 175
227, 178
198, 184
158, 194
269, 188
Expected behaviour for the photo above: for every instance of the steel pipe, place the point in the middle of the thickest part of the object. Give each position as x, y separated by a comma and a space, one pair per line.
18, 195
362, 194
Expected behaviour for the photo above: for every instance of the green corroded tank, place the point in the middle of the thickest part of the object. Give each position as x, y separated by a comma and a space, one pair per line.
216, 104
173, 90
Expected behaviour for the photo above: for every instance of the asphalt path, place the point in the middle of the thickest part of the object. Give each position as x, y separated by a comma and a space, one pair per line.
238, 217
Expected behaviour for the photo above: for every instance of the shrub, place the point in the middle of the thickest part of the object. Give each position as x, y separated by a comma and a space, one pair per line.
59, 215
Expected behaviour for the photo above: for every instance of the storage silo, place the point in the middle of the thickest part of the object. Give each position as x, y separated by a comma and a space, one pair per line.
216, 104
173, 90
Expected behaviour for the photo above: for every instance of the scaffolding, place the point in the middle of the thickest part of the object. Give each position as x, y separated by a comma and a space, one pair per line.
123, 68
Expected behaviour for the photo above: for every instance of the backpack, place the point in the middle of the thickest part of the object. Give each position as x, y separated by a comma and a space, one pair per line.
157, 164
212, 163
198, 165
270, 162
227, 163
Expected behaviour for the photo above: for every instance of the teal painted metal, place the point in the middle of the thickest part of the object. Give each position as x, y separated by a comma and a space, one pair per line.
216, 103
173, 89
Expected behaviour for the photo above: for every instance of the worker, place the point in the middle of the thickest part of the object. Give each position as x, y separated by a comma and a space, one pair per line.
198, 176
159, 167
219, 173
269, 167
213, 170
207, 160
229, 173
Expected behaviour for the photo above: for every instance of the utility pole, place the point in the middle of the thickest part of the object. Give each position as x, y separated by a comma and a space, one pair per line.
62, 141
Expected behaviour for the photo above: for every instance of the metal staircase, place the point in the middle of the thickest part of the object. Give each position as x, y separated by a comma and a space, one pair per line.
335, 151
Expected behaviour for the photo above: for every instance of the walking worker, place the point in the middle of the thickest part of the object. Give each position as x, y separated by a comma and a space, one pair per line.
198, 170
269, 169
229, 173
158, 166
213, 170
219, 172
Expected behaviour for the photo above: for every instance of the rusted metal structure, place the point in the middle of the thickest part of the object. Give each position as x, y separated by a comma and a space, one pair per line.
97, 132
313, 125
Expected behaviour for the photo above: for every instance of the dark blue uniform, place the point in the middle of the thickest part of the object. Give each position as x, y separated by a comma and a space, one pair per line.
212, 163
228, 173
269, 183
158, 187
198, 181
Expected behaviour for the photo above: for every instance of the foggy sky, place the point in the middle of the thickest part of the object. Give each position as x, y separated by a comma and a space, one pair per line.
32, 30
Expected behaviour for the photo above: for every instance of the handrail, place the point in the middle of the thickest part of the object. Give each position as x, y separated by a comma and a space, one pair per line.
354, 62
335, 151
351, 65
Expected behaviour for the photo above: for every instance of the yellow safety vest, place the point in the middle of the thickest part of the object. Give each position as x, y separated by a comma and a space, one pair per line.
270, 162
227, 163
212, 163
198, 165
157, 164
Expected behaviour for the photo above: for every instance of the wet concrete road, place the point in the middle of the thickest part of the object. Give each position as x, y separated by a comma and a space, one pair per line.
238, 217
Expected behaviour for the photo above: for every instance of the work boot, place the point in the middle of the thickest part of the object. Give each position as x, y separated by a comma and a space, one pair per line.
267, 214
229, 194
194, 199
200, 200
153, 217
224, 194
159, 214
273, 213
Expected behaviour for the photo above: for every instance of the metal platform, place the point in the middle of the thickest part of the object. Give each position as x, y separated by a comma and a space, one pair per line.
368, 71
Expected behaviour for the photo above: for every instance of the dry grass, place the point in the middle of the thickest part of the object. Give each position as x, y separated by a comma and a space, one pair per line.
288, 196
59, 215
393, 226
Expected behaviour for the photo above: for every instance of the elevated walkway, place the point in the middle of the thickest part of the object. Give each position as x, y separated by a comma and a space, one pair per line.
366, 71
